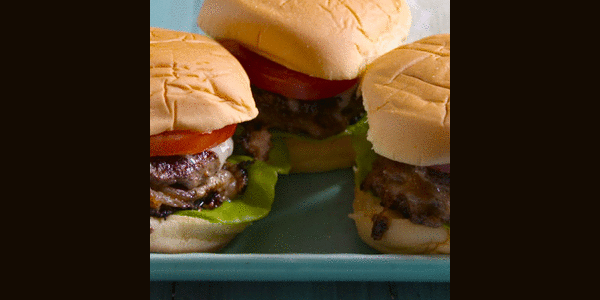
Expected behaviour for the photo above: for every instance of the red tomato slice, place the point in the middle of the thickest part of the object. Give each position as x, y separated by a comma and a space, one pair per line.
273, 77
182, 142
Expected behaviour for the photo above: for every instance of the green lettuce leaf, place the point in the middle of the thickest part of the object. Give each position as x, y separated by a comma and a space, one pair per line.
279, 156
254, 204
365, 156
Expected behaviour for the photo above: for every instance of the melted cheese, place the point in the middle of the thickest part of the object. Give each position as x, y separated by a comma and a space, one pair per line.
223, 150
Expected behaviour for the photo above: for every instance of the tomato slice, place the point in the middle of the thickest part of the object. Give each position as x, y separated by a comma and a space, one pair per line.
182, 142
273, 77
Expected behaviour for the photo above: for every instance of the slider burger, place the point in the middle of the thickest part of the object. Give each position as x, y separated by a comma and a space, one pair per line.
303, 59
200, 195
402, 195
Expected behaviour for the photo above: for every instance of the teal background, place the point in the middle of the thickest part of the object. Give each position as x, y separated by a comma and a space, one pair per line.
175, 14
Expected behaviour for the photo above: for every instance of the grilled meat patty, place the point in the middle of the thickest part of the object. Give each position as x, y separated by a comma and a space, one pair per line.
419, 194
317, 119
193, 182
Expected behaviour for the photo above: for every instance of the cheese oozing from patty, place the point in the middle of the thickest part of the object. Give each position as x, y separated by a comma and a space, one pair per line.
223, 150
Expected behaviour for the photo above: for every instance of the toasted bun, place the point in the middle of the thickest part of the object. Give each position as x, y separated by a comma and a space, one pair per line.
402, 237
195, 84
333, 40
406, 94
179, 234
311, 156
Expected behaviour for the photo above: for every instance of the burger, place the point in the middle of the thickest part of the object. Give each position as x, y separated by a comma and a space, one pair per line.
304, 59
402, 173
201, 196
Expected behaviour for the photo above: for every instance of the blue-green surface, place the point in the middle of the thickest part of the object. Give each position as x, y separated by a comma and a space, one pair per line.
300, 267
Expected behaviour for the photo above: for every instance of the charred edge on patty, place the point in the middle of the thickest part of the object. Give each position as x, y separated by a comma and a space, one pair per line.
193, 182
419, 194
317, 119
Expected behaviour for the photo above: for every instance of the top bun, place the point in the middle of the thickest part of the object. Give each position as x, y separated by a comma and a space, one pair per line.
332, 40
406, 95
195, 84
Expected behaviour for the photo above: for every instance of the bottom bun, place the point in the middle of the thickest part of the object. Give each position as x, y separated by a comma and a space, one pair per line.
179, 234
402, 237
311, 156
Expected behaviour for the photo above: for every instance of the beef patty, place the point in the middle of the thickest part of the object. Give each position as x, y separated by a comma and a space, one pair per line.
193, 182
419, 194
317, 119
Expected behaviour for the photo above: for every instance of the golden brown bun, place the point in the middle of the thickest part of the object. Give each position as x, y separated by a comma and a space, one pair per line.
333, 40
311, 156
406, 94
179, 234
402, 237
195, 84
